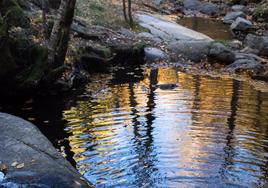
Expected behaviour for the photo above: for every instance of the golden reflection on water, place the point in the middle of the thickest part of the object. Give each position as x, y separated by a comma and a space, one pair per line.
170, 128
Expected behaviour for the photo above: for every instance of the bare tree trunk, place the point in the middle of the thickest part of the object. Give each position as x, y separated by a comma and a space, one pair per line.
125, 10
130, 14
59, 38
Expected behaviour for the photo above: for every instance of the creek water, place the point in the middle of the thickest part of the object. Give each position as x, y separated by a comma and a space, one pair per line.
211, 27
160, 127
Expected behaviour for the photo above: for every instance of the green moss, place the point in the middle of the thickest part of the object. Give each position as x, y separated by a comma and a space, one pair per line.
7, 63
2, 27
138, 49
16, 17
261, 11
39, 66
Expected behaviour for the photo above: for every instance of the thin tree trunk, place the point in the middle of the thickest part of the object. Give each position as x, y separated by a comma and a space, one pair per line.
59, 38
130, 14
125, 10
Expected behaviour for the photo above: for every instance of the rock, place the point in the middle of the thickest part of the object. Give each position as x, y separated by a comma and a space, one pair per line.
235, 44
192, 4
149, 36
154, 54
126, 32
232, 16
221, 53
192, 50
168, 30
238, 8
249, 56
157, 2
23, 143
241, 24
245, 66
259, 43
209, 9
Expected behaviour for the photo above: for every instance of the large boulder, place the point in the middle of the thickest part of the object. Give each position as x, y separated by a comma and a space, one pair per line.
221, 53
259, 43
241, 24
232, 16
28, 159
192, 50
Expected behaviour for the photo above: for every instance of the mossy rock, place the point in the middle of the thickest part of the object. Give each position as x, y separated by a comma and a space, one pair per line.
39, 66
2, 27
15, 16
7, 63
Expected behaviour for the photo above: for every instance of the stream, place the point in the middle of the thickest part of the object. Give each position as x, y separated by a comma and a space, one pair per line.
143, 127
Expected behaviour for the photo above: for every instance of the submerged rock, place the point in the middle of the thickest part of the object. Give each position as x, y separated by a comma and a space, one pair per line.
241, 24
31, 159
232, 16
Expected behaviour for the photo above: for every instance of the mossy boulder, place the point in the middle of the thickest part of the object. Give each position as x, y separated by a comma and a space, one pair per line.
7, 63
15, 16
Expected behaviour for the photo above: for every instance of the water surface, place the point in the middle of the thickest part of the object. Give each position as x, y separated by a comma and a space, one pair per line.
211, 27
161, 128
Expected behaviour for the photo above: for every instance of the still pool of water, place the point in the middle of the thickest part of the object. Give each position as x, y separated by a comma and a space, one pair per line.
211, 27
159, 128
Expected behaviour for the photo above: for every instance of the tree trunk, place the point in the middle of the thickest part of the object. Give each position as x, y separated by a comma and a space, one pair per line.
125, 10
130, 13
59, 38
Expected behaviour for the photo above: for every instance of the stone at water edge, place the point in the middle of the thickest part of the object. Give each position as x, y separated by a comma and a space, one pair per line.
244, 65
232, 16
209, 9
241, 24
154, 54
22, 143
192, 50
221, 53
258, 43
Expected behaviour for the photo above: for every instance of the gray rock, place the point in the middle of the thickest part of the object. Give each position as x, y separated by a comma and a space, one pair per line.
38, 162
245, 65
192, 4
259, 43
241, 24
192, 50
237, 8
209, 9
249, 56
154, 54
149, 36
232, 16
157, 2
221, 53
126, 32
